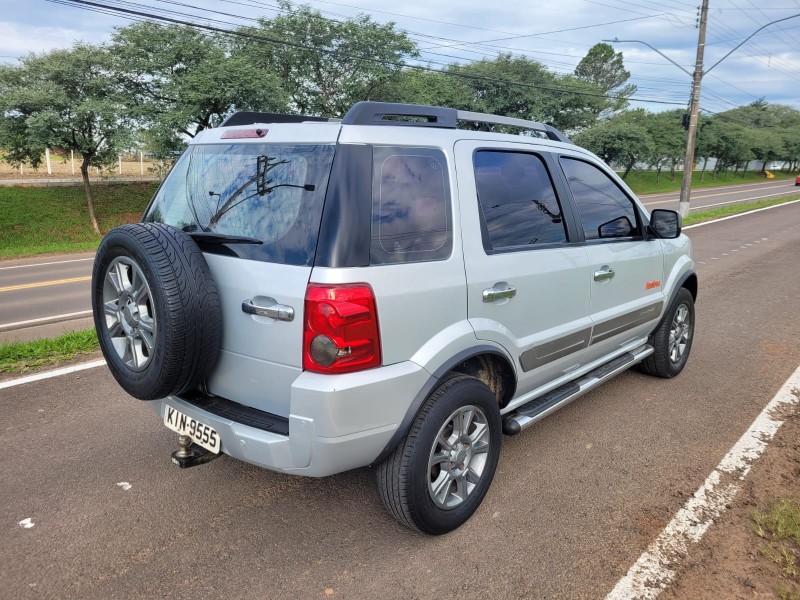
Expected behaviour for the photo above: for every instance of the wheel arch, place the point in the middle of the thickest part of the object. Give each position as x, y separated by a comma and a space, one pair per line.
486, 362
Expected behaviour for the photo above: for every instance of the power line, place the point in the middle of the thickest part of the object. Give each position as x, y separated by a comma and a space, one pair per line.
139, 14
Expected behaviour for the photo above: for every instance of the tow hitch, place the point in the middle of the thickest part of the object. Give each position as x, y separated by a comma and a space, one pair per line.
189, 454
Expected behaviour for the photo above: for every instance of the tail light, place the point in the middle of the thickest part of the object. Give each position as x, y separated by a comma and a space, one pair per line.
340, 329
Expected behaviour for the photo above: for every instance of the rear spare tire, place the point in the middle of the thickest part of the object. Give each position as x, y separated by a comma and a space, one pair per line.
156, 310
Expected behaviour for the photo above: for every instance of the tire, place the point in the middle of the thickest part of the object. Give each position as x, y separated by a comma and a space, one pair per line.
670, 355
405, 478
156, 310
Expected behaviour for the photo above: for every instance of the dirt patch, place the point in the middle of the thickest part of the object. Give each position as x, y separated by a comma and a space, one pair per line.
730, 561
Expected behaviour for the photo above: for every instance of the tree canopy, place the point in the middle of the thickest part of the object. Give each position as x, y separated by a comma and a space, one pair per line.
68, 99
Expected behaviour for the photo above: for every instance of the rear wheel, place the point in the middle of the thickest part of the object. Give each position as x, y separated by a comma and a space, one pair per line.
438, 476
672, 340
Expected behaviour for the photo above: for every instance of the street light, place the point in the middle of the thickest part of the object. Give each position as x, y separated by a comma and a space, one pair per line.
694, 102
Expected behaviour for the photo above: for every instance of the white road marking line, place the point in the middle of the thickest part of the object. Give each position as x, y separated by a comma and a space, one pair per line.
27, 523
657, 566
744, 214
61, 317
738, 201
125, 485
714, 258
49, 374
58, 262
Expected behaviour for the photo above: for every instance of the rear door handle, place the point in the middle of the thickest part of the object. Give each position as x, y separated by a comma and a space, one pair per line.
281, 312
494, 294
605, 273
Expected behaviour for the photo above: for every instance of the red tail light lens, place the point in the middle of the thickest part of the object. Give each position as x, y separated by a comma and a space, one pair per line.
340, 329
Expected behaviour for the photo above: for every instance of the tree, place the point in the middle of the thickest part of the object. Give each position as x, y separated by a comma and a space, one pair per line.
669, 140
417, 86
68, 99
605, 68
326, 66
182, 81
517, 86
622, 140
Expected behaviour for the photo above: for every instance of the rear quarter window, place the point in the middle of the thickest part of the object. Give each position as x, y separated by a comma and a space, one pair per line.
411, 215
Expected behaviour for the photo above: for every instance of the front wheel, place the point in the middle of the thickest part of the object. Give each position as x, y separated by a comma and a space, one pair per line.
438, 476
672, 340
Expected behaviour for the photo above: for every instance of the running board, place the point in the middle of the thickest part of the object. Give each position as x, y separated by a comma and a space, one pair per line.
538, 408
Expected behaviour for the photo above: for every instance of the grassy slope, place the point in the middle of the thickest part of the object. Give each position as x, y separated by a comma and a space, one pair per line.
36, 220
644, 182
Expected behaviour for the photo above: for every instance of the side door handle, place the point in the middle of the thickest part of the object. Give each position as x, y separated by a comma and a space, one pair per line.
281, 312
604, 274
493, 294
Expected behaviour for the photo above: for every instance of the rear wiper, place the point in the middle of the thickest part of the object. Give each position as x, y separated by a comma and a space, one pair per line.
211, 237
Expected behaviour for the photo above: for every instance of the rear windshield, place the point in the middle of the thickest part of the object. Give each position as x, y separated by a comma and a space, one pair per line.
272, 193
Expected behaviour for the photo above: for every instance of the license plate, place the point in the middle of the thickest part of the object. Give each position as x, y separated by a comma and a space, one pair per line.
201, 434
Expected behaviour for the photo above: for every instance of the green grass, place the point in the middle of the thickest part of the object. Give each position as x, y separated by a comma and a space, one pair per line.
779, 525
18, 357
735, 209
38, 220
644, 182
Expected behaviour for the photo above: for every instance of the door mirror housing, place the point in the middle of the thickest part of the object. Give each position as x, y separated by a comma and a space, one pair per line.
665, 224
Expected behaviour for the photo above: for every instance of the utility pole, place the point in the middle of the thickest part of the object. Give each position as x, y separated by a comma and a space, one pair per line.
694, 109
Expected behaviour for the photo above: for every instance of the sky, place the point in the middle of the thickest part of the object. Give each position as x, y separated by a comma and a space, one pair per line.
557, 34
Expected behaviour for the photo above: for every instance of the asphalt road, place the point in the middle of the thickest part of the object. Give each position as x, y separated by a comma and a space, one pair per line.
37, 292
708, 198
575, 501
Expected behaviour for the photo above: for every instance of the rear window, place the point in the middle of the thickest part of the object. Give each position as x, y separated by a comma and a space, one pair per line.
272, 193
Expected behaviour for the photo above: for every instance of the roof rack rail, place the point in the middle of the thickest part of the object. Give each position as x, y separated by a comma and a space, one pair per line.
551, 132
251, 118
418, 115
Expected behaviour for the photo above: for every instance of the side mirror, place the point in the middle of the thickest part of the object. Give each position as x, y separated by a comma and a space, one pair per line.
666, 224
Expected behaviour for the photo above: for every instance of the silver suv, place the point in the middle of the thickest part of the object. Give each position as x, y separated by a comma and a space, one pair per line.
395, 289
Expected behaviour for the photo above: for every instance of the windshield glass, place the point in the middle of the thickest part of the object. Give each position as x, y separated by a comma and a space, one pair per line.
271, 192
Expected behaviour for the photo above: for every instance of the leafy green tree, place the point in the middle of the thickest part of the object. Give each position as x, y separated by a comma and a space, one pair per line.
415, 86
67, 99
669, 140
622, 140
182, 81
605, 68
517, 86
326, 66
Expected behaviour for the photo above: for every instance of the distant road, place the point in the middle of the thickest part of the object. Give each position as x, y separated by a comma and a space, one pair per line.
37, 292
706, 198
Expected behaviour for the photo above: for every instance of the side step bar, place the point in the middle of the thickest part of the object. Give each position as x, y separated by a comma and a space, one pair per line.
538, 408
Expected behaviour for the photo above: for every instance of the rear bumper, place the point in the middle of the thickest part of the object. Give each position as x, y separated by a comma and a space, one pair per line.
336, 422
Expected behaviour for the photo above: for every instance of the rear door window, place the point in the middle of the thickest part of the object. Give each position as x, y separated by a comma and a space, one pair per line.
272, 193
519, 208
411, 215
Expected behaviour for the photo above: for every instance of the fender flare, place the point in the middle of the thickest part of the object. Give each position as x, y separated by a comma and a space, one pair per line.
434, 380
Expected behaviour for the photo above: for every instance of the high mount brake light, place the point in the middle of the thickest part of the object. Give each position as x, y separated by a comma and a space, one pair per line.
340, 329
238, 134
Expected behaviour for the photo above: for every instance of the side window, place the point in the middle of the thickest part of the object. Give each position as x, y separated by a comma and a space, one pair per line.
605, 211
517, 200
411, 217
